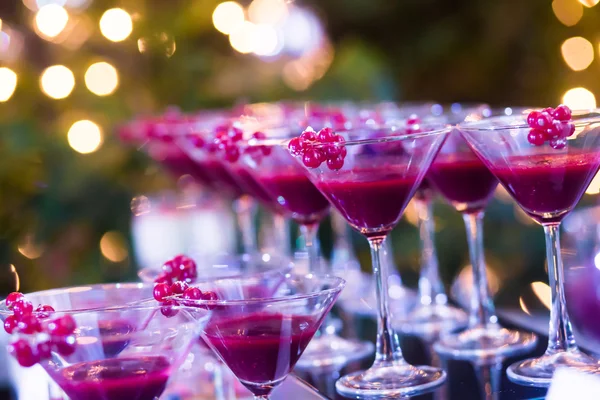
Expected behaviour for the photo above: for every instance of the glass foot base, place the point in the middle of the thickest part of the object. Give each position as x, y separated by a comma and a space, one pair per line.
432, 320
332, 351
538, 371
488, 342
389, 381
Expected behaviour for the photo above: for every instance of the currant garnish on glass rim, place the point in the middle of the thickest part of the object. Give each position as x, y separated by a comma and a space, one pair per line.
550, 125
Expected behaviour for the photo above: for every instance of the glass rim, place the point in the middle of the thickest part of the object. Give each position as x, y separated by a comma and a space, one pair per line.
338, 287
579, 118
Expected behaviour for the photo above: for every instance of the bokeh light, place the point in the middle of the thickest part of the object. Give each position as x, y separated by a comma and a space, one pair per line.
57, 81
267, 42
101, 79
594, 187
29, 248
157, 44
579, 98
51, 19
84, 136
589, 3
228, 17
113, 246
267, 11
8, 83
116, 24
569, 12
577, 52
243, 40
543, 293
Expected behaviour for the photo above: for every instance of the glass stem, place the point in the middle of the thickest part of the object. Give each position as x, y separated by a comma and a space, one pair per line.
388, 344
431, 289
245, 211
309, 233
263, 397
282, 230
482, 307
560, 336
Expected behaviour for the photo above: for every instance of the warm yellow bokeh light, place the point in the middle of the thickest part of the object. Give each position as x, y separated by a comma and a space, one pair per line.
594, 187
267, 11
543, 293
116, 24
8, 83
57, 81
51, 19
113, 246
84, 136
101, 78
228, 17
243, 39
579, 99
577, 52
589, 3
569, 12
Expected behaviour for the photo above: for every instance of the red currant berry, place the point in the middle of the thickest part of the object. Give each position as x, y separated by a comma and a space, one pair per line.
163, 278
12, 298
335, 163
571, 129
266, 150
413, 119
43, 311
169, 267
24, 354
312, 158
236, 134
232, 153
562, 113
295, 147
167, 309
332, 151
549, 110
10, 324
22, 308
188, 269
259, 136
559, 130
326, 135
221, 130
209, 296
536, 137
308, 135
161, 290
62, 326
543, 121
558, 144
44, 349
179, 287
29, 325
192, 294
64, 345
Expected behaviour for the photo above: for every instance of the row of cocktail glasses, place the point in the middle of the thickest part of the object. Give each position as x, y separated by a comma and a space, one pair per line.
368, 162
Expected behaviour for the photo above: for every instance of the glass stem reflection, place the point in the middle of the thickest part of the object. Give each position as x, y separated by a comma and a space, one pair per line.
309, 233
431, 289
388, 344
560, 337
482, 307
245, 211
282, 231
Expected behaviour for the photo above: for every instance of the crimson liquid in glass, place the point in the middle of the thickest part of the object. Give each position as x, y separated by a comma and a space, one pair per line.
224, 179
132, 378
372, 200
180, 164
253, 187
463, 180
548, 186
262, 348
425, 191
297, 194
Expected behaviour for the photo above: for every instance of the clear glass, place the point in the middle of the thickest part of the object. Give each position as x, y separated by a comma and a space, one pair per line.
126, 346
261, 325
381, 172
546, 183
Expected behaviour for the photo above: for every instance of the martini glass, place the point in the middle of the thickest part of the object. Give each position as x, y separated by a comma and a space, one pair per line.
380, 174
260, 338
288, 182
546, 183
124, 348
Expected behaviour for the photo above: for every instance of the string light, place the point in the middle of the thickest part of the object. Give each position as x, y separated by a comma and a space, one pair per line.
577, 52
101, 79
8, 83
228, 17
116, 24
243, 40
51, 19
569, 12
579, 98
84, 136
57, 81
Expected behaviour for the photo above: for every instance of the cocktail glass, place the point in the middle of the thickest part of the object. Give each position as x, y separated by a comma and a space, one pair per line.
126, 346
380, 173
288, 182
260, 338
547, 183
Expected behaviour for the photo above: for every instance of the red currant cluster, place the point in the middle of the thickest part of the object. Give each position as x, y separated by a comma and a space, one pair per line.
323, 115
413, 124
552, 125
330, 148
174, 281
38, 334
